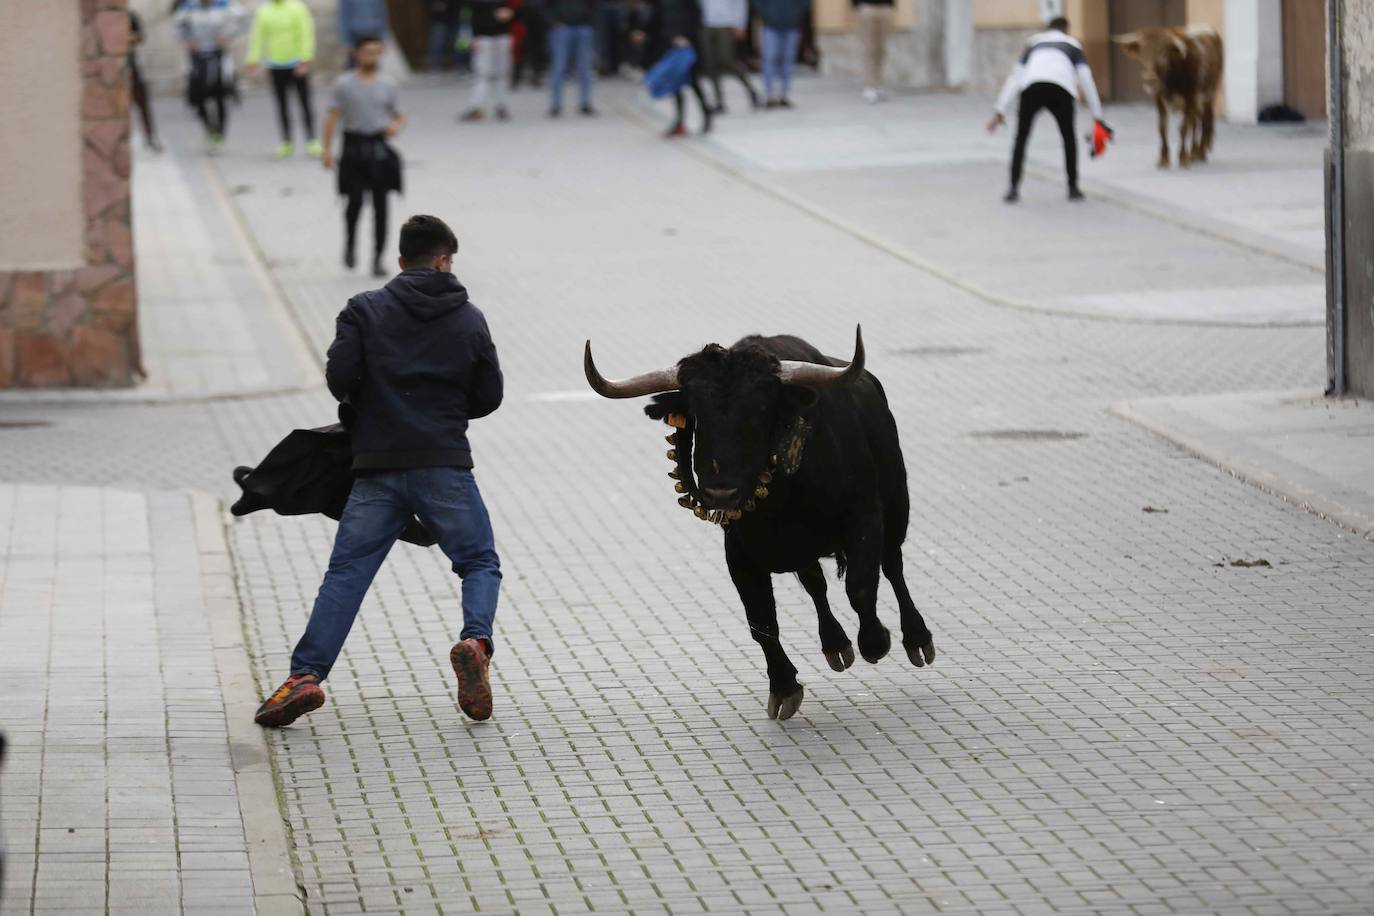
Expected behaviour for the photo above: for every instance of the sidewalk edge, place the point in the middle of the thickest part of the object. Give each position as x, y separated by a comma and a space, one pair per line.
1250, 473
724, 162
276, 889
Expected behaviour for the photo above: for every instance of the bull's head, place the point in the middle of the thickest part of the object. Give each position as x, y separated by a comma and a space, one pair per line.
738, 416
1156, 50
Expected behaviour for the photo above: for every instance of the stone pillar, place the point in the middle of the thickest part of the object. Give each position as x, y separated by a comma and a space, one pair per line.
958, 43
1357, 47
1254, 58
67, 292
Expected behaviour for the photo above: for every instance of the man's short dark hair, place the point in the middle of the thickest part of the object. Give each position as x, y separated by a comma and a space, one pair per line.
361, 40
1060, 23
424, 238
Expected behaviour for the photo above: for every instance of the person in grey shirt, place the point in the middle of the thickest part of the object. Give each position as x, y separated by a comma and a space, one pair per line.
206, 29
366, 104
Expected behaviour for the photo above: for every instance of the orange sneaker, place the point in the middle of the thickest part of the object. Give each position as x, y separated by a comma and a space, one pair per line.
470, 660
298, 695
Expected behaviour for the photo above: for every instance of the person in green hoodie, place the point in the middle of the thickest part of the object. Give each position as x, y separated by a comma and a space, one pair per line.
284, 37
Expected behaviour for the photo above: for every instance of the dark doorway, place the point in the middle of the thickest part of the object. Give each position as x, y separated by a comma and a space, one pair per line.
1304, 57
1126, 16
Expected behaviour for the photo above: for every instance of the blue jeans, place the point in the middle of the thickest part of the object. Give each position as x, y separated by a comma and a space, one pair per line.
567, 42
449, 504
779, 54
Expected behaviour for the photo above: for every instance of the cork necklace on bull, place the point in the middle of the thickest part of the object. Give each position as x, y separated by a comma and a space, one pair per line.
790, 441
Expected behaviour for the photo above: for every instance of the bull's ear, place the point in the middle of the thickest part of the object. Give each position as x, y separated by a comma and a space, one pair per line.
1130, 44
799, 397
662, 405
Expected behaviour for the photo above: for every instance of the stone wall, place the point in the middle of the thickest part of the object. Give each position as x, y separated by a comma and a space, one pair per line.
915, 55
76, 326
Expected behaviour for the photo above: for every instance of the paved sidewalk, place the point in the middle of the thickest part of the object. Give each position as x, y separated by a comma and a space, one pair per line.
121, 790
920, 177
1314, 451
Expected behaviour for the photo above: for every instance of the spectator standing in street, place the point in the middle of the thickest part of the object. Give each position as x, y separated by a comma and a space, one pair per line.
875, 21
443, 32
357, 19
571, 42
365, 103
723, 24
138, 88
206, 28
782, 24
1049, 74
532, 54
284, 35
413, 363
676, 23
491, 58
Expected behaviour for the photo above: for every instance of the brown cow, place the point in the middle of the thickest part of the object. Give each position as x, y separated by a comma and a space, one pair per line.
1181, 68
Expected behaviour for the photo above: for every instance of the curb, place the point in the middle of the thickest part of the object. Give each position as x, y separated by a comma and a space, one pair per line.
1260, 478
276, 891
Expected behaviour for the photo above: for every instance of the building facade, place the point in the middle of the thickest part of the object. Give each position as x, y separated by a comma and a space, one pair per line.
1275, 49
67, 278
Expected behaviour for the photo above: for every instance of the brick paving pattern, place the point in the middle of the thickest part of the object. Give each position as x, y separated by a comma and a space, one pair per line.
1116, 722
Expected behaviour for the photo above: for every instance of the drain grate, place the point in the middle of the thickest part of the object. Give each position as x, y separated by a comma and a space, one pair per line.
1028, 435
24, 424
937, 352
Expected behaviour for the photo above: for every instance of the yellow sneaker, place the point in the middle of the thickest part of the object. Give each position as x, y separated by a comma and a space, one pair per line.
314, 148
285, 151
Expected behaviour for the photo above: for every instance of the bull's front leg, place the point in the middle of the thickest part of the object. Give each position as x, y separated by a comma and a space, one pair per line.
755, 587
863, 550
1163, 131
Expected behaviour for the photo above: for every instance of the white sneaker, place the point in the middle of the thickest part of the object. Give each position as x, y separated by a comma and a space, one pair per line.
872, 96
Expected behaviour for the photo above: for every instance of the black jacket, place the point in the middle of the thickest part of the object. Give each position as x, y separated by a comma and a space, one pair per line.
415, 362
573, 12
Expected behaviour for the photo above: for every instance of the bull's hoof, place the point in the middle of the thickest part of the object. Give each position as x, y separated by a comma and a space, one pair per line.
1163, 162
841, 659
783, 708
873, 650
921, 656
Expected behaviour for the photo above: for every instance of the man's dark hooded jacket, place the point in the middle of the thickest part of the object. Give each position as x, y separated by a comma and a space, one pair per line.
414, 362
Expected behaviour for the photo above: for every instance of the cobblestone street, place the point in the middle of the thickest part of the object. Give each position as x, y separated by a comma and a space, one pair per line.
1121, 719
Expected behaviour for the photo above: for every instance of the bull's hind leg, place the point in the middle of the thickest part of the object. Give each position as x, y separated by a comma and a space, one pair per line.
1163, 131
916, 636
839, 651
861, 585
755, 587
1185, 156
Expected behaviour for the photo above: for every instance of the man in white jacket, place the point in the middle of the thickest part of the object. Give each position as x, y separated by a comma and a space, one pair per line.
1049, 74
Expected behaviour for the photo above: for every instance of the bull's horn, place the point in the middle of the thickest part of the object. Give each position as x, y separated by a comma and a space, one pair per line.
814, 375
656, 382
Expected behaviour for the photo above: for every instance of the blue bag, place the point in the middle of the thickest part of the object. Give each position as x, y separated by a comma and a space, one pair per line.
671, 73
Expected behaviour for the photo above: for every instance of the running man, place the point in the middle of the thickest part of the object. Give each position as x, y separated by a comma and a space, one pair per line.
416, 363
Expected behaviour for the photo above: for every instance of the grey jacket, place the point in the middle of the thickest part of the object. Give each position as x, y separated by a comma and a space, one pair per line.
207, 28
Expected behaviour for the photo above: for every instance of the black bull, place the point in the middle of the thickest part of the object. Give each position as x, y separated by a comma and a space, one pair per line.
796, 456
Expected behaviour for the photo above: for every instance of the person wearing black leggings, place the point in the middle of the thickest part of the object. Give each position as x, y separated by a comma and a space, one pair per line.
677, 23
283, 36
365, 103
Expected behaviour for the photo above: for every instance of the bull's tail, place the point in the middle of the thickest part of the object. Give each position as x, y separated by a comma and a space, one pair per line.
841, 563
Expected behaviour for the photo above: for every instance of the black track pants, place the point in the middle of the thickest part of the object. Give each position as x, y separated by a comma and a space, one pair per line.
283, 78
1061, 104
